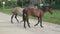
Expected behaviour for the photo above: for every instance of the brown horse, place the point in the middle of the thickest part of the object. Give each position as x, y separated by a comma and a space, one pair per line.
16, 11
36, 12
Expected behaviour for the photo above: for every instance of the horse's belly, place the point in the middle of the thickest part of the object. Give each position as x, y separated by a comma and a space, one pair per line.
36, 15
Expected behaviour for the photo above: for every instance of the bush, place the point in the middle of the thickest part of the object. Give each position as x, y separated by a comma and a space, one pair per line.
8, 4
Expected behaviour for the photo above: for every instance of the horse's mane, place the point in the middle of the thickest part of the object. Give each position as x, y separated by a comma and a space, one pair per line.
43, 8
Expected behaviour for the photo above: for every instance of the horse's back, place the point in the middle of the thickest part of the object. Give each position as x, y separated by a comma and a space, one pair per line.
34, 11
17, 10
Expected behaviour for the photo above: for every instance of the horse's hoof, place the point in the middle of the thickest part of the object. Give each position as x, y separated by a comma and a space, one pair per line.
25, 27
12, 22
41, 26
29, 26
29, 23
35, 25
18, 22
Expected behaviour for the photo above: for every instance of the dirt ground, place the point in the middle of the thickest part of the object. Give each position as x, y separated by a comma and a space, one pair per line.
7, 28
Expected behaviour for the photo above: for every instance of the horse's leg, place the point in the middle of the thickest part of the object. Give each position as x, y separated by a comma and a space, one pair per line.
16, 18
41, 22
24, 19
37, 22
21, 21
24, 24
28, 22
12, 18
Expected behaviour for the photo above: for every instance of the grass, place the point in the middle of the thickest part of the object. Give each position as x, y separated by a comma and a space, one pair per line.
54, 18
7, 11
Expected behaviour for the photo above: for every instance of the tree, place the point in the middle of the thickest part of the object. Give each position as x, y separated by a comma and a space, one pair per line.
25, 2
52, 1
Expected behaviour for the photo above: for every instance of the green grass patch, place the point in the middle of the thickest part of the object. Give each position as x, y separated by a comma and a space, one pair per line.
7, 11
54, 18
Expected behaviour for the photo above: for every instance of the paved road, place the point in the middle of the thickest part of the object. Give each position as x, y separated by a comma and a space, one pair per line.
7, 28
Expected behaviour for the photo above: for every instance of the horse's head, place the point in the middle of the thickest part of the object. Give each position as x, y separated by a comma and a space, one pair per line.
49, 9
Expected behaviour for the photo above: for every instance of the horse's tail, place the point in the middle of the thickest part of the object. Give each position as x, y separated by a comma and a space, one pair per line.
24, 14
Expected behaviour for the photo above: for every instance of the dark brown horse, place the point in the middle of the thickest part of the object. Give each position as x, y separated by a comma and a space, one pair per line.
36, 12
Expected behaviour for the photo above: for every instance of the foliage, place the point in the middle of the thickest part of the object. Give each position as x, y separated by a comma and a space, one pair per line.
25, 2
14, 3
8, 4
52, 1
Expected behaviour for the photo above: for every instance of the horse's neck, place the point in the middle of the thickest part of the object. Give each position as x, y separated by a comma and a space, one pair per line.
43, 8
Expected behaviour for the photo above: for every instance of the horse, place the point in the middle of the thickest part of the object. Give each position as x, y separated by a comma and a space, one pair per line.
36, 12
16, 11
